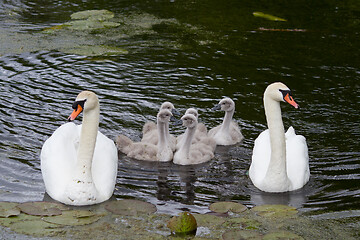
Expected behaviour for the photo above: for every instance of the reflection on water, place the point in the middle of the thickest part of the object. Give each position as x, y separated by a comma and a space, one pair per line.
202, 61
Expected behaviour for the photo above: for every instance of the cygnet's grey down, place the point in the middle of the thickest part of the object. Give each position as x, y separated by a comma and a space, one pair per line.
201, 130
194, 153
150, 133
227, 133
161, 152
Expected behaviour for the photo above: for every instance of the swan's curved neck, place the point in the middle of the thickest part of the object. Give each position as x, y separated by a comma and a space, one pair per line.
188, 137
227, 120
163, 132
89, 130
277, 166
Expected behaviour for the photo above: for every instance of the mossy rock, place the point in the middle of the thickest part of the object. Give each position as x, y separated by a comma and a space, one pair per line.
42, 208
241, 234
99, 15
280, 211
282, 235
8, 209
185, 223
224, 207
74, 218
130, 207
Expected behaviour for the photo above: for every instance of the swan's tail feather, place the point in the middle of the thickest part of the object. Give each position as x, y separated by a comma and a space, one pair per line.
123, 143
148, 126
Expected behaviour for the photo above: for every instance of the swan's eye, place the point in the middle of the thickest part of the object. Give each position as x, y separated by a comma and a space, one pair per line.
285, 93
80, 103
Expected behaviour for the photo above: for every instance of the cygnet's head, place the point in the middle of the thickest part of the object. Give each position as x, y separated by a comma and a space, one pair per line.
85, 101
169, 106
225, 104
189, 120
281, 93
192, 111
164, 115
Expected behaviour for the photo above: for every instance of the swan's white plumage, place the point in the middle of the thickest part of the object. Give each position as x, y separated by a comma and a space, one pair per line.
58, 165
227, 133
293, 172
190, 152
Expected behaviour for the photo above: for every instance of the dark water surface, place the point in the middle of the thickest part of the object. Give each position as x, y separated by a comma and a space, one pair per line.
194, 53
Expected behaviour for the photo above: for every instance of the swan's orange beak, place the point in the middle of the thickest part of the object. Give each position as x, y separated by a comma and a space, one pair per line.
289, 99
75, 113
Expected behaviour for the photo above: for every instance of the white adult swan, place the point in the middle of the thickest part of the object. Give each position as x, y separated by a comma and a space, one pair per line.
79, 163
280, 161
193, 153
228, 133
150, 131
161, 152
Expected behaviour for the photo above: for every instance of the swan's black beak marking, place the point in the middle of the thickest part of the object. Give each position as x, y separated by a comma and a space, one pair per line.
78, 107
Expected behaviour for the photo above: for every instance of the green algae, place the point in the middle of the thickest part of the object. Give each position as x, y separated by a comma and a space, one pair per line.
78, 222
275, 211
95, 50
241, 234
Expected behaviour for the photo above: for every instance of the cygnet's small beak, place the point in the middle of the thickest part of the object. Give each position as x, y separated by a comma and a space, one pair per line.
175, 121
175, 112
216, 107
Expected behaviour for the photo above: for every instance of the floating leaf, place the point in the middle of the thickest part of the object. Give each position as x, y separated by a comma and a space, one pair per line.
268, 16
8, 209
282, 235
184, 223
223, 207
241, 234
74, 218
275, 210
90, 25
92, 51
130, 207
42, 208
36, 228
207, 220
99, 15
6, 222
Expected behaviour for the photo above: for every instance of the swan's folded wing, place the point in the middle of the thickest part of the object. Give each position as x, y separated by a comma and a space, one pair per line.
260, 157
105, 165
297, 160
58, 157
